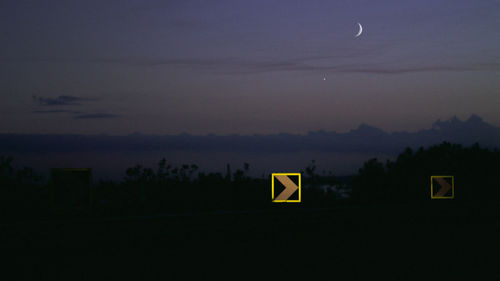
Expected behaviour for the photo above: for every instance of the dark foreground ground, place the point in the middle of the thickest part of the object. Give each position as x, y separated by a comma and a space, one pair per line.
435, 241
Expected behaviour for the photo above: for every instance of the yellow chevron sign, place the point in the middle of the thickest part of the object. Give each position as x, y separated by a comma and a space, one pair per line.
442, 187
290, 187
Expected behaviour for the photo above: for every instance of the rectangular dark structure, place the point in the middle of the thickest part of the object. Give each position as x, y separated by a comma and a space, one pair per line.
71, 189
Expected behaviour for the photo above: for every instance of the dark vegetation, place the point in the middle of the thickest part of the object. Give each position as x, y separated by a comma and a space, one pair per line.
168, 189
224, 226
408, 178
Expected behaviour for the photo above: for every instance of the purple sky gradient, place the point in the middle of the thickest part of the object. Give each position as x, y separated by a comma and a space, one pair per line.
244, 67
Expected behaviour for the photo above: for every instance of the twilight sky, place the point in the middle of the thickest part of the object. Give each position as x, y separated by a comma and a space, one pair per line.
244, 67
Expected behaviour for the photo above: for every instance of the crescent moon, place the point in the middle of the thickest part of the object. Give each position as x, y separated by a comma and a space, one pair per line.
360, 30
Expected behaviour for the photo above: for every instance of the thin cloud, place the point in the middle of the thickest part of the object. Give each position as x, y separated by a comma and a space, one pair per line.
61, 100
237, 66
232, 62
306, 64
96, 116
56, 111
411, 69
360, 68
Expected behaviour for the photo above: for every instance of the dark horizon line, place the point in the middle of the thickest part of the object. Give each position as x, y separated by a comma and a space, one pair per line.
472, 117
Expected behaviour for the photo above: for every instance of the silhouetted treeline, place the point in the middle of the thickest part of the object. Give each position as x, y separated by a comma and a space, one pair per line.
21, 191
476, 172
184, 188
169, 189
164, 189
